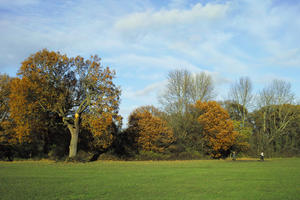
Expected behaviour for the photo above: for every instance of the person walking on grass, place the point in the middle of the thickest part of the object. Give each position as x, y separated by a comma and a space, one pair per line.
262, 156
233, 156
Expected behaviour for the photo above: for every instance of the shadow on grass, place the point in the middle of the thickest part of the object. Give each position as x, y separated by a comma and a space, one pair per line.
249, 160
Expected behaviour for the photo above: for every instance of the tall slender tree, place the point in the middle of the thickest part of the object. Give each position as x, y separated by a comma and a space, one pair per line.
241, 94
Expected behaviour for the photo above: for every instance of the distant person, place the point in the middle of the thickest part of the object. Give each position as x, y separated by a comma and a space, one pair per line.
233, 156
262, 156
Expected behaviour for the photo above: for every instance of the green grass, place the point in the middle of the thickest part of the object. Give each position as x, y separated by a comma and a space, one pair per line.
208, 179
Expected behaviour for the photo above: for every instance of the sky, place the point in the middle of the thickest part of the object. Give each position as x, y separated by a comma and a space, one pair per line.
144, 40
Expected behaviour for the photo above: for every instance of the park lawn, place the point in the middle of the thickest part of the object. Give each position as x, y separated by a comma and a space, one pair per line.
203, 179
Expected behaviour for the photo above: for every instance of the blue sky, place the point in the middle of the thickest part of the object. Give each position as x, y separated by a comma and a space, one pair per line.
143, 40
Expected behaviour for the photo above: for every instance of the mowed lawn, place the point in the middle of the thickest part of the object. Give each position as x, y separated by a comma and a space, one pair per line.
206, 179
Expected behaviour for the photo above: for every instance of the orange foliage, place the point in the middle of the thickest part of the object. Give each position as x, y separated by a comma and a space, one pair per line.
102, 128
152, 132
53, 83
218, 129
5, 122
26, 114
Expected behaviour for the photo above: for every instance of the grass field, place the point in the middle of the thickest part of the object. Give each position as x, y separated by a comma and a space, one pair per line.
207, 179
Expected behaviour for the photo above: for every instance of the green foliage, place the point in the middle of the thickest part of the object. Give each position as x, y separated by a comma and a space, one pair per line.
242, 139
276, 130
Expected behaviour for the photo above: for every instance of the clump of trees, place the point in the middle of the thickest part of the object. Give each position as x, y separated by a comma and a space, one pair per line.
60, 107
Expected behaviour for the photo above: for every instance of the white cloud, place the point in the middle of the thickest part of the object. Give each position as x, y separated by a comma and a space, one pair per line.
152, 88
148, 92
143, 40
273, 28
141, 23
135, 98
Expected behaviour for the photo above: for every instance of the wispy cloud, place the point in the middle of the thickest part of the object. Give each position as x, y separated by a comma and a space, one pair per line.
143, 40
149, 20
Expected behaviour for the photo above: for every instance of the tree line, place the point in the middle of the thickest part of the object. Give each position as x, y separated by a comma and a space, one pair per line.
68, 108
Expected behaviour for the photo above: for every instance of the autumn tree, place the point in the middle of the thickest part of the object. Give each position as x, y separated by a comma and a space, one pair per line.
4, 96
75, 89
218, 130
6, 133
35, 128
151, 132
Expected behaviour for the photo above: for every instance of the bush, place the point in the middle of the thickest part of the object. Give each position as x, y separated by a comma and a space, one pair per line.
108, 156
176, 148
56, 152
6, 153
81, 156
150, 155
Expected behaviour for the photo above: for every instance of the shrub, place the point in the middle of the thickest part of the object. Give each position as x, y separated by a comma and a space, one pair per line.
81, 156
108, 156
56, 152
150, 155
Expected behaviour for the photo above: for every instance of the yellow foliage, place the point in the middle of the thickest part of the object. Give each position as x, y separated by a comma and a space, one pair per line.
218, 129
152, 132
25, 114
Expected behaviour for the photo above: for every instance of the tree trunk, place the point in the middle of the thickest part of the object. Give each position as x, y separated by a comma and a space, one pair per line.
74, 130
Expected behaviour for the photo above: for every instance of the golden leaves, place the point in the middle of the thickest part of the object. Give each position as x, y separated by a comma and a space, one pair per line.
152, 132
53, 84
218, 129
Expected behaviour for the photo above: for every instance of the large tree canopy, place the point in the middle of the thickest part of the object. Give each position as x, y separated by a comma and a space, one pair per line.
75, 89
218, 129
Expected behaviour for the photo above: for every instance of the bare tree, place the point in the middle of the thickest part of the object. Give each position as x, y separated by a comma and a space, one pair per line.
202, 87
176, 97
275, 101
241, 93
277, 93
184, 89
